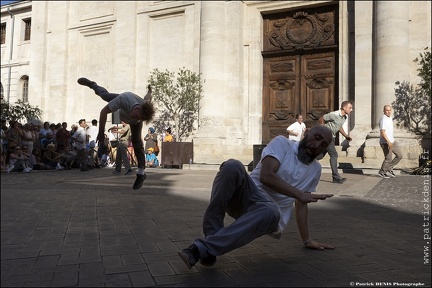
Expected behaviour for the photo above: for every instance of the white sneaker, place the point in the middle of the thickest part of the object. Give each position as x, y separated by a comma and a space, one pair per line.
391, 174
26, 170
59, 167
383, 175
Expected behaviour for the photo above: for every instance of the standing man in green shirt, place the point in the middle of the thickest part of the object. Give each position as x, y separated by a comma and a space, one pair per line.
334, 120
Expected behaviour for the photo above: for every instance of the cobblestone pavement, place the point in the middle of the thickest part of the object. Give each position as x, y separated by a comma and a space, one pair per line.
70, 228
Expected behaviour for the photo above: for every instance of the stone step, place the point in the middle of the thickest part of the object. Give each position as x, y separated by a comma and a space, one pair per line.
343, 159
355, 169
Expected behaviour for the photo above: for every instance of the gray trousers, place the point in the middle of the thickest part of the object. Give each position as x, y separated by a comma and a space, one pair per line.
388, 163
331, 150
235, 193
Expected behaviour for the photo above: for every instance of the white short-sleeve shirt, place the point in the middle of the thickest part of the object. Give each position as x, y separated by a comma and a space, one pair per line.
298, 128
295, 173
386, 124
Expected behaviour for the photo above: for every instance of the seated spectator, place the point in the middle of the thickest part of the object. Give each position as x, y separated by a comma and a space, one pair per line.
14, 135
69, 159
18, 161
51, 158
35, 161
151, 159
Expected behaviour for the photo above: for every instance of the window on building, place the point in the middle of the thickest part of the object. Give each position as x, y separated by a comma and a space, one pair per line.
27, 23
3, 33
25, 82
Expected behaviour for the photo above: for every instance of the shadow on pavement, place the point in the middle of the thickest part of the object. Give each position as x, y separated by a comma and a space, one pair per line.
92, 229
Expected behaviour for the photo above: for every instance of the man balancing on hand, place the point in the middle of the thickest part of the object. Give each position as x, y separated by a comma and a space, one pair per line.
133, 111
262, 202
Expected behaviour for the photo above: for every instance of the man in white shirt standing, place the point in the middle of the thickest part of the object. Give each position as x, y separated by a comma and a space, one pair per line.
80, 138
388, 144
296, 130
92, 132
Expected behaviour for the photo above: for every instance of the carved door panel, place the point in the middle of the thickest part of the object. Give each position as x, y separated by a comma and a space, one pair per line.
300, 84
280, 95
317, 86
300, 58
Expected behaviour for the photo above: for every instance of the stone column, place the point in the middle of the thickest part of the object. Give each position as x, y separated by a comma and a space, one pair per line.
363, 77
392, 61
208, 139
212, 63
391, 64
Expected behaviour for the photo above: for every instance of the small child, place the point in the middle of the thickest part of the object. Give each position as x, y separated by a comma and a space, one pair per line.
151, 159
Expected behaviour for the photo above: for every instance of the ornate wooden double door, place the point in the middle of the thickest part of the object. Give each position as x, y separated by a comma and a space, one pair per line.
300, 68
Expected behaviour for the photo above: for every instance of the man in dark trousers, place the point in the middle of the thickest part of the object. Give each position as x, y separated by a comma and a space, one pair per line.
133, 111
334, 120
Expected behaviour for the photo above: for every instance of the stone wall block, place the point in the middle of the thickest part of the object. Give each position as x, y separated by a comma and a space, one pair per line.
370, 153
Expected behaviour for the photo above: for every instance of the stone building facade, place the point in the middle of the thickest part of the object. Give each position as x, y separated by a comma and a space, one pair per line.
262, 61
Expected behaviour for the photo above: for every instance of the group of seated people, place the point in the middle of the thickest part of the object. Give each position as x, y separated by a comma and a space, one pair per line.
51, 147
30, 146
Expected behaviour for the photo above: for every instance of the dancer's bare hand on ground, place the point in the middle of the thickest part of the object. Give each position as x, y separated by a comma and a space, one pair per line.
314, 244
312, 197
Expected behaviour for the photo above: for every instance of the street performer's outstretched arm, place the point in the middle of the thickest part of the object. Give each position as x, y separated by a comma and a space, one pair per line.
302, 225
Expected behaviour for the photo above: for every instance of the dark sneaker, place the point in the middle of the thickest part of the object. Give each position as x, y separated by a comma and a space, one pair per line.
208, 261
383, 175
190, 255
84, 169
339, 181
116, 172
139, 181
86, 82
391, 174
128, 172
